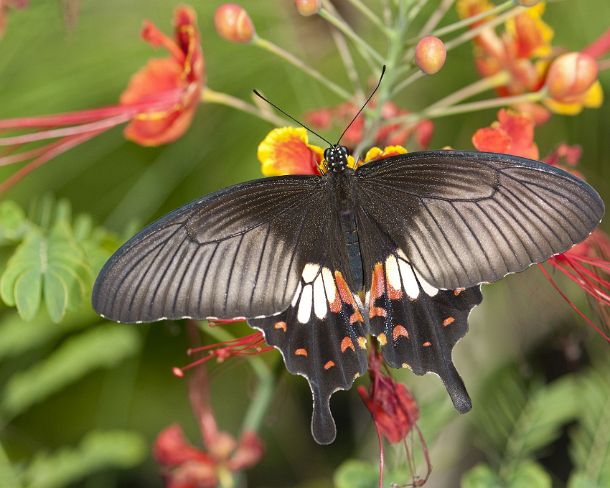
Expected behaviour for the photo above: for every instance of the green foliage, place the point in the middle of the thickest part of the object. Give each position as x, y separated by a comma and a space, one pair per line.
527, 475
102, 347
54, 260
590, 446
98, 450
516, 418
365, 474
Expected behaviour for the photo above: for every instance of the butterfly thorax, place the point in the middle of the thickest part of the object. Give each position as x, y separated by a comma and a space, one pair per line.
335, 158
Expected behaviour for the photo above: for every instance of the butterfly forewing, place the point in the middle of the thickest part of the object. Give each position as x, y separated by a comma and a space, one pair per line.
237, 252
467, 218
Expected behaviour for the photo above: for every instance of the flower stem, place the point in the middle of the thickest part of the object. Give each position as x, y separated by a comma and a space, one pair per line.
437, 112
365, 49
348, 63
471, 34
264, 388
369, 14
465, 22
210, 96
434, 19
468, 91
292, 59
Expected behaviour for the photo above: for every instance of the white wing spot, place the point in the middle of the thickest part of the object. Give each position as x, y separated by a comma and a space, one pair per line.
329, 284
319, 298
392, 273
408, 279
305, 304
310, 272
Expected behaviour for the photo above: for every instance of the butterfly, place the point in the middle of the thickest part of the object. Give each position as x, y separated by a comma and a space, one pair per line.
395, 249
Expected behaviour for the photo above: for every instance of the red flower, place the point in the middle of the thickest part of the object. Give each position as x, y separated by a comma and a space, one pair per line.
513, 133
387, 135
181, 73
394, 412
159, 103
186, 466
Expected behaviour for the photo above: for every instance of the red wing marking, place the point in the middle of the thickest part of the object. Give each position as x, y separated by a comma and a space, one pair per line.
281, 325
301, 352
448, 321
399, 331
328, 365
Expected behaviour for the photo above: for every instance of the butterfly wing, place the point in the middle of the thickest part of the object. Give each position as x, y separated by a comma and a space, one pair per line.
415, 323
238, 252
465, 218
321, 334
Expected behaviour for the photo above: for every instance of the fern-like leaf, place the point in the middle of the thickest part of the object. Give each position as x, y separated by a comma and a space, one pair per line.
590, 446
104, 346
98, 450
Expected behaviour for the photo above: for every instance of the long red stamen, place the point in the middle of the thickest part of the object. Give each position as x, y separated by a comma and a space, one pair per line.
249, 345
571, 304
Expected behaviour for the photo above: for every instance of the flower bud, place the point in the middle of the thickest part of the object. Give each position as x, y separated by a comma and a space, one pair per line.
308, 7
571, 75
430, 54
233, 23
527, 3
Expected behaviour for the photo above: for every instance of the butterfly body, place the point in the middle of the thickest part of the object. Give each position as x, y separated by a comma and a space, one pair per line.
417, 233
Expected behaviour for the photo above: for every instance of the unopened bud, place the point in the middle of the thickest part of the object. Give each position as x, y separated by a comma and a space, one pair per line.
233, 23
430, 54
308, 7
571, 75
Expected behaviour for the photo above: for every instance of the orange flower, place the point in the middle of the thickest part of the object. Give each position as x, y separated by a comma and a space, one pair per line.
286, 151
513, 133
182, 73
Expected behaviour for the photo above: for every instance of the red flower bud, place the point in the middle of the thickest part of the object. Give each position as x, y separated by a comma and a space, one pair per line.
430, 54
233, 23
308, 7
571, 75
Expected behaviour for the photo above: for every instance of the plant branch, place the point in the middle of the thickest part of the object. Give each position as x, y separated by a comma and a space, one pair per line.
210, 96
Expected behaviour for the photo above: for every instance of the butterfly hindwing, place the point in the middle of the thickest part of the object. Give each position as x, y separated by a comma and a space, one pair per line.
416, 324
465, 218
235, 253
321, 336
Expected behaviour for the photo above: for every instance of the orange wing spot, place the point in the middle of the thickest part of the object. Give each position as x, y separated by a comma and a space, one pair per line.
448, 321
378, 282
394, 294
281, 325
399, 331
335, 306
301, 352
356, 317
362, 342
457, 291
427, 344
344, 293
383, 340
329, 364
377, 312
346, 344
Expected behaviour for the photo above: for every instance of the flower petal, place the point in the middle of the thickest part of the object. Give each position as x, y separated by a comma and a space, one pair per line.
285, 151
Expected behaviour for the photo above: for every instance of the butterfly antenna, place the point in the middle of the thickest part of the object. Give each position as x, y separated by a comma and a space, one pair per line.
363, 105
258, 94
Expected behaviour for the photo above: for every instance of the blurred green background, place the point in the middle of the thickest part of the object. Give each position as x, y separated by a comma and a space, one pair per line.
46, 67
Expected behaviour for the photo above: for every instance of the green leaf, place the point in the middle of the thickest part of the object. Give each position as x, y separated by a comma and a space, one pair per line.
529, 475
354, 473
98, 450
516, 419
526, 475
53, 263
481, 476
102, 347
9, 477
18, 337
590, 440
13, 222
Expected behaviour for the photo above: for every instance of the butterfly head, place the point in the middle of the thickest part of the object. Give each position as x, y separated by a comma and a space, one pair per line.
336, 158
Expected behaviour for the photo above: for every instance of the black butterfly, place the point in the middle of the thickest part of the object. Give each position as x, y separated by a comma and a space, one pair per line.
396, 249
